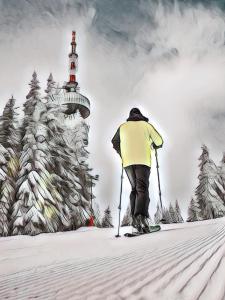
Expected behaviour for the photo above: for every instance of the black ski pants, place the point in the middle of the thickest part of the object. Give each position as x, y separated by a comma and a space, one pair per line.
138, 176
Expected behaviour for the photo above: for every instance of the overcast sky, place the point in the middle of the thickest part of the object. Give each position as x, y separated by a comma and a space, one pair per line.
167, 58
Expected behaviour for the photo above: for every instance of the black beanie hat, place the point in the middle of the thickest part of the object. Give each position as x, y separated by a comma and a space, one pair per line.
135, 111
136, 115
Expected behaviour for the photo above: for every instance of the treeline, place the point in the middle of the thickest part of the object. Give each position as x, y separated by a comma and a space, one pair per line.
104, 221
170, 215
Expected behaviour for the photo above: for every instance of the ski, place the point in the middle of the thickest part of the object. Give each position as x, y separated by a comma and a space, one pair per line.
154, 228
133, 234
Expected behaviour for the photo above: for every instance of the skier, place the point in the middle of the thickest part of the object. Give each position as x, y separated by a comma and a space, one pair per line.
133, 141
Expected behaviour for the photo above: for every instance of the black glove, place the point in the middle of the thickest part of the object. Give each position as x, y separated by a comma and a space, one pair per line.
156, 147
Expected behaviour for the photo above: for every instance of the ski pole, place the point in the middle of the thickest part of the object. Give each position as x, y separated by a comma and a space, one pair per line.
160, 193
119, 207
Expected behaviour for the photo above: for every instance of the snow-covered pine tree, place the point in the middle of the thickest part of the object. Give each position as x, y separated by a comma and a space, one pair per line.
221, 170
107, 219
95, 211
4, 203
167, 216
9, 136
172, 213
178, 213
158, 214
77, 140
10, 141
67, 169
194, 212
39, 206
210, 203
71, 179
150, 220
62, 160
97, 214
50, 89
127, 220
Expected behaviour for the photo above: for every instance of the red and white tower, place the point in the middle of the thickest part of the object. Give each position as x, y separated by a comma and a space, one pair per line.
69, 95
72, 84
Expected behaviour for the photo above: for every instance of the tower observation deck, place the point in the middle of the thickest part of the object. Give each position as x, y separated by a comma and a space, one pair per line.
69, 95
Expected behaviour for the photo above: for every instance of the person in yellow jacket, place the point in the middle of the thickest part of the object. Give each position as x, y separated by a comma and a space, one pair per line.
133, 141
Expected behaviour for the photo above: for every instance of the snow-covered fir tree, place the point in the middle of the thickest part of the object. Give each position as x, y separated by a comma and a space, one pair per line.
4, 203
150, 220
210, 203
9, 136
64, 165
178, 213
167, 216
77, 139
10, 144
173, 214
94, 205
194, 212
86, 179
107, 219
39, 206
67, 181
50, 89
127, 220
97, 214
158, 214
68, 148
221, 170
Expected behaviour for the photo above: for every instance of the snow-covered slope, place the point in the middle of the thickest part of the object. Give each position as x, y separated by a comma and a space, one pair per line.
184, 261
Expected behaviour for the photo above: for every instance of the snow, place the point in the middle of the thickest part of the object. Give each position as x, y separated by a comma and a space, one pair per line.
182, 262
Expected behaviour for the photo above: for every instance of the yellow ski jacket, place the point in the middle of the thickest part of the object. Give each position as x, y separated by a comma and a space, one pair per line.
133, 141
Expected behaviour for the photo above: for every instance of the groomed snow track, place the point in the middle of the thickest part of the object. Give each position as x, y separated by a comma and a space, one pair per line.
183, 262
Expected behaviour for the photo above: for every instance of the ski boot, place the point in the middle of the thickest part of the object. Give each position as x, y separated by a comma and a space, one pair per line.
143, 222
145, 226
137, 224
